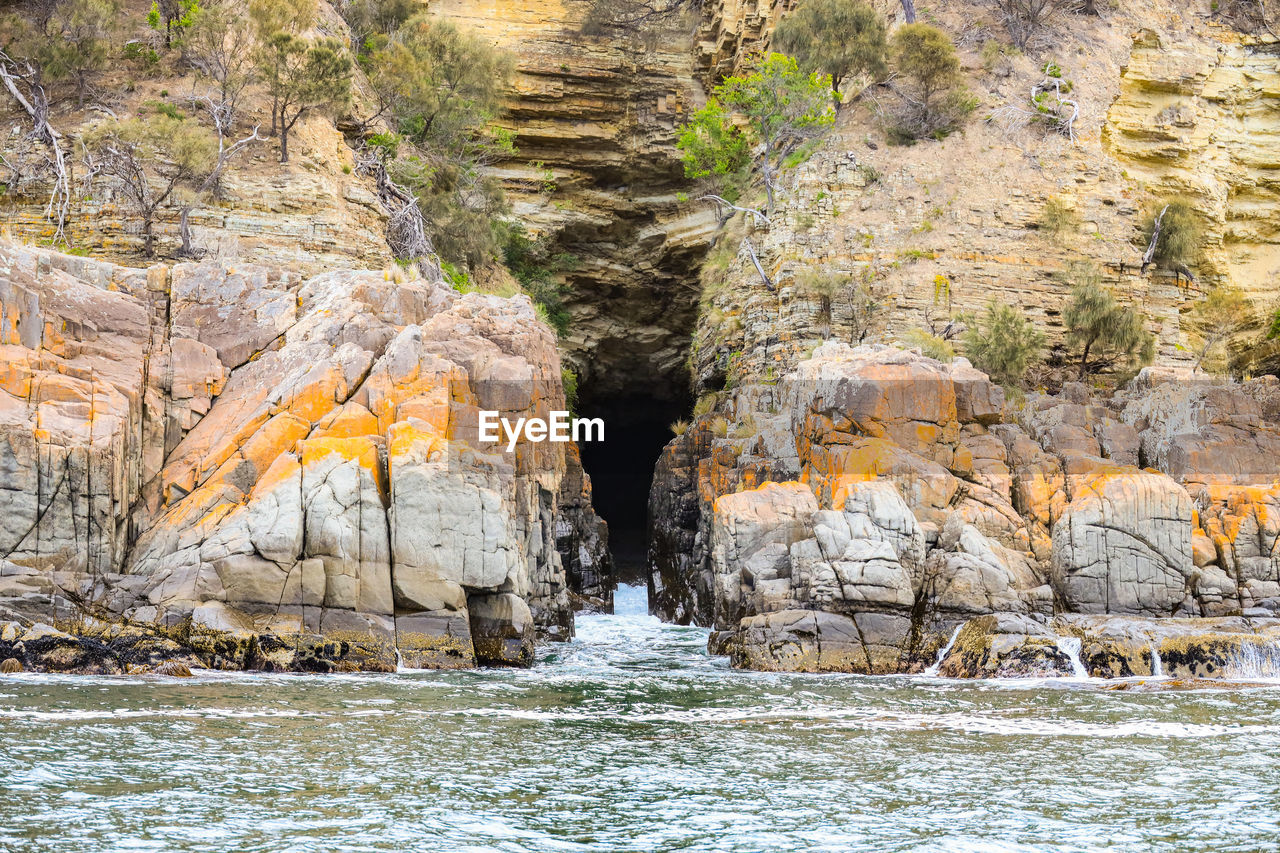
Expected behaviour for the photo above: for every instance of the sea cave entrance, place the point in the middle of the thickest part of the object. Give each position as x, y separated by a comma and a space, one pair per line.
637, 427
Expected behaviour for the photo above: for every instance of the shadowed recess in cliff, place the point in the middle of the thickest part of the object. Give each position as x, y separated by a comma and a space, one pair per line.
621, 469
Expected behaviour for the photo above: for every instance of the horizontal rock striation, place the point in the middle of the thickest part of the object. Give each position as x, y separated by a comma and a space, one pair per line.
280, 472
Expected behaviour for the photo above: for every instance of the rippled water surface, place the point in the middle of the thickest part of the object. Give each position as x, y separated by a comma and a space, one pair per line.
632, 739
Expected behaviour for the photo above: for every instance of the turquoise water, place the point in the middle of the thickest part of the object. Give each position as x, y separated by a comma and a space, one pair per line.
632, 739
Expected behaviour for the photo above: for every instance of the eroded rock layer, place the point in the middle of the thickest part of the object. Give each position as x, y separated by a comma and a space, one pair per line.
282, 472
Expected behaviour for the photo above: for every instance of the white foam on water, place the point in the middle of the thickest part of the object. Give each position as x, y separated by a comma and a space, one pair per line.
144, 713
1070, 646
1255, 662
932, 669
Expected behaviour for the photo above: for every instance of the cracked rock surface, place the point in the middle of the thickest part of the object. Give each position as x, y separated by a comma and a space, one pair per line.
277, 472
855, 514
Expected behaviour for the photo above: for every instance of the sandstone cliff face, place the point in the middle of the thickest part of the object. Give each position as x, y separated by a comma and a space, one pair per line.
1171, 104
279, 471
1128, 505
597, 173
1195, 117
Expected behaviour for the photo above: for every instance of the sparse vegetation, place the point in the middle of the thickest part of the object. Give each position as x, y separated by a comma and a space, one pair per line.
839, 38
1028, 20
1249, 16
634, 17
1172, 233
1003, 343
67, 47
1105, 331
569, 381
218, 42
372, 22
153, 161
442, 89
932, 99
855, 301
1058, 218
538, 270
1211, 324
930, 345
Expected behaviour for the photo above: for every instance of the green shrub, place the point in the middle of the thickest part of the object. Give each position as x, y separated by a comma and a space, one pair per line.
1058, 219
443, 88
538, 270
935, 101
1002, 343
1177, 246
373, 21
569, 379
1106, 332
930, 345
781, 106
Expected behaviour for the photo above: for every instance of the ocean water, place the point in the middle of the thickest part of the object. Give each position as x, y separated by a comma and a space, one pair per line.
632, 739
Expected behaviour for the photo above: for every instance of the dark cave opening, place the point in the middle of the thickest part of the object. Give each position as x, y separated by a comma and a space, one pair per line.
637, 427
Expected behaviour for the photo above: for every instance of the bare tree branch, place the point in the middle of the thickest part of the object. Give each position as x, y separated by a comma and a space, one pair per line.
1149, 256
722, 203
36, 104
406, 227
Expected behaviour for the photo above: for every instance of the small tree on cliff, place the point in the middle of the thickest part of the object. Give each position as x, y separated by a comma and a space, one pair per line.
172, 15
270, 18
835, 37
1002, 343
373, 21
75, 45
304, 77
219, 43
443, 88
153, 160
933, 99
1172, 233
781, 106
1105, 331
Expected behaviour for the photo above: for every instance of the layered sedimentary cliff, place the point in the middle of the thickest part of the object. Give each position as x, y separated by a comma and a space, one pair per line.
278, 471
1171, 104
597, 173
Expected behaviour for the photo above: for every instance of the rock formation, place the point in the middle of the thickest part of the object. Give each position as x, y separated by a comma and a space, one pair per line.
860, 510
279, 472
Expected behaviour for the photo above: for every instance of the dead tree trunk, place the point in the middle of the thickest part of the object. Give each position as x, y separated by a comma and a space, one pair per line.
37, 107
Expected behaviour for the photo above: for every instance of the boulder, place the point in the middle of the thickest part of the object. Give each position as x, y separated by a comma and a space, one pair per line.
816, 641
502, 630
1123, 545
